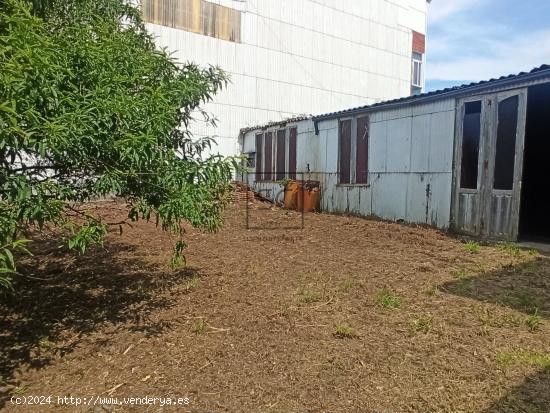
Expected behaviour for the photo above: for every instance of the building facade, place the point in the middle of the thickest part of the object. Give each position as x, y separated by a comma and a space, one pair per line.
294, 57
473, 158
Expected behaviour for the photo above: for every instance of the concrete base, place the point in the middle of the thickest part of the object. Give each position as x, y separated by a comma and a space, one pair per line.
543, 248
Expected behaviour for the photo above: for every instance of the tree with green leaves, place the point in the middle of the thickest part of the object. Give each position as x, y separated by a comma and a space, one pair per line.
90, 108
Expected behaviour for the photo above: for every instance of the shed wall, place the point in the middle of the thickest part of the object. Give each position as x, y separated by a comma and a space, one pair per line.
410, 164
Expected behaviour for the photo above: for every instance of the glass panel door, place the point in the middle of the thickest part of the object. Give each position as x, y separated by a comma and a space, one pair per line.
469, 152
504, 165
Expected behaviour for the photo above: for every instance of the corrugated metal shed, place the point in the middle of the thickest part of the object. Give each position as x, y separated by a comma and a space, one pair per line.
414, 156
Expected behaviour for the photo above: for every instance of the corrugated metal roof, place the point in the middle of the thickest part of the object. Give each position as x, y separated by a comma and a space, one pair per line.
538, 72
275, 123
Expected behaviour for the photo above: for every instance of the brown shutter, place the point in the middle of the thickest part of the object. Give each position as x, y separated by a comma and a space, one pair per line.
292, 154
281, 155
362, 160
345, 151
268, 149
259, 152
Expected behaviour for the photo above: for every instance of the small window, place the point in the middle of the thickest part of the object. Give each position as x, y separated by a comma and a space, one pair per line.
417, 61
471, 134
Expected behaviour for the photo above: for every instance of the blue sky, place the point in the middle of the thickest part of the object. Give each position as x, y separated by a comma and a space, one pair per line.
472, 40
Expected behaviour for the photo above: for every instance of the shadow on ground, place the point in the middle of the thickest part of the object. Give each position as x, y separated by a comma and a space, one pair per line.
533, 396
60, 297
524, 287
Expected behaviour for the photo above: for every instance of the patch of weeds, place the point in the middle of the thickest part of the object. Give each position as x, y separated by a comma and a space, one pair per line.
472, 247
460, 272
511, 248
45, 344
344, 331
524, 357
484, 331
431, 290
533, 252
422, 324
309, 296
463, 286
481, 267
505, 359
191, 284
20, 390
534, 321
490, 319
528, 301
346, 285
388, 300
199, 326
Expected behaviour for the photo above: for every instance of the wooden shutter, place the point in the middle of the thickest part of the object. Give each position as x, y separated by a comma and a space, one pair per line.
268, 149
345, 151
362, 153
292, 153
259, 153
281, 155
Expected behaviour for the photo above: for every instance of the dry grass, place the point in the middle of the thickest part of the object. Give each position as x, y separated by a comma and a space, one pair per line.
347, 315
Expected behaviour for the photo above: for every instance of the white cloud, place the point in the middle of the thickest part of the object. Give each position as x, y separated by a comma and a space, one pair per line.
442, 9
465, 44
496, 57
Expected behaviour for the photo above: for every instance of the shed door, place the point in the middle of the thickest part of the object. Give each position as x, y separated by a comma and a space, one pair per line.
489, 155
503, 165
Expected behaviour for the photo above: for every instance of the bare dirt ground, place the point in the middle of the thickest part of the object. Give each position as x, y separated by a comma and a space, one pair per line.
346, 315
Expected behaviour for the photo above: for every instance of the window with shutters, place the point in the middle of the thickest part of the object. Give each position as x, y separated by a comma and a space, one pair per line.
275, 157
197, 16
353, 151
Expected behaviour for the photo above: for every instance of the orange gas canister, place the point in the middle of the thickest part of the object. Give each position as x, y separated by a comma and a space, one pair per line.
311, 200
292, 192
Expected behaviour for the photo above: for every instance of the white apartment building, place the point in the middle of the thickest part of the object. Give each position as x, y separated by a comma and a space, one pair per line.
290, 58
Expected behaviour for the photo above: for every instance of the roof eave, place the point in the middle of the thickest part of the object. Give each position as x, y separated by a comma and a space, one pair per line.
527, 77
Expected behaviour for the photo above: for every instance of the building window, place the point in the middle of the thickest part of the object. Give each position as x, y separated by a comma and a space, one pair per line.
417, 61
418, 51
275, 157
196, 16
353, 151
